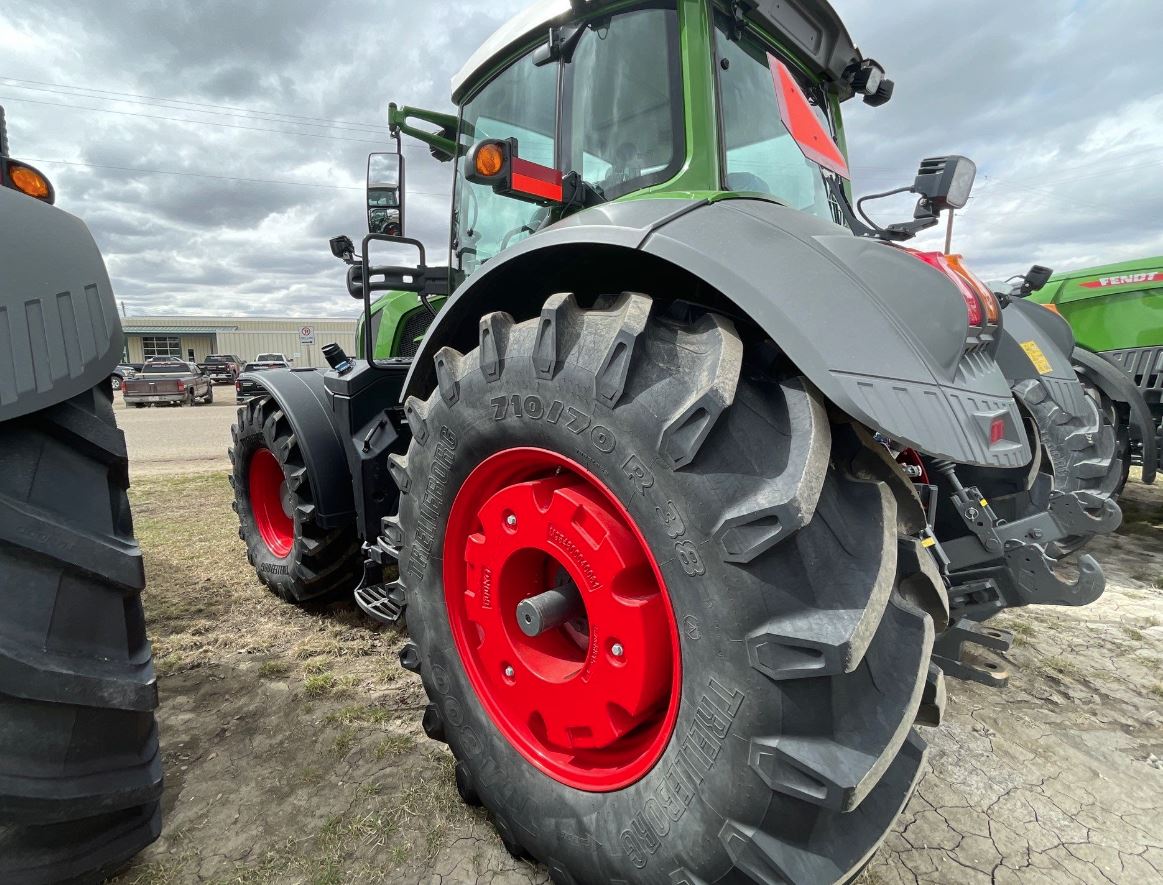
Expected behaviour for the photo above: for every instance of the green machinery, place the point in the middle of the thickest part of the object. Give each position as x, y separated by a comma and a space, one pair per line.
1116, 310
646, 493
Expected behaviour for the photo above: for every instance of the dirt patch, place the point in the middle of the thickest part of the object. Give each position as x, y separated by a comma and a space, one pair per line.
294, 754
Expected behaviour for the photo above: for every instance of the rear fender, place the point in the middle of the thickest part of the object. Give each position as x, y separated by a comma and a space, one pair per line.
879, 333
1120, 387
301, 395
59, 330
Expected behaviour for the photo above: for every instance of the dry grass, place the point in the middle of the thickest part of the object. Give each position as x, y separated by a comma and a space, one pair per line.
204, 603
348, 716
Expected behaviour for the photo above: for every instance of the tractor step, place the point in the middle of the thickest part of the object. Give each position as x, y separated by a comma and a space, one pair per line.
949, 653
384, 602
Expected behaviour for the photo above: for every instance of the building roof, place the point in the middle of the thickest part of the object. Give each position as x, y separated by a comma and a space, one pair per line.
132, 329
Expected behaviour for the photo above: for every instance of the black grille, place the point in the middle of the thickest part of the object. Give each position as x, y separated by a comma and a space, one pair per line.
1143, 364
416, 324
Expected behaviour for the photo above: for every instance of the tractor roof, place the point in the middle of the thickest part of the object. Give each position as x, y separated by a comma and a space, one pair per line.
810, 28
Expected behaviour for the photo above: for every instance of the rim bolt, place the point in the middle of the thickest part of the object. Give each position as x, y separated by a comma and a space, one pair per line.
511, 520
616, 650
510, 672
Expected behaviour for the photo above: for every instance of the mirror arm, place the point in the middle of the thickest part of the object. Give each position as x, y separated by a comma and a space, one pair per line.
442, 143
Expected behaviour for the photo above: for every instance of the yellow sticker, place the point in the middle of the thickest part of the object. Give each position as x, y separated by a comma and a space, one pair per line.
984, 503
1034, 352
928, 542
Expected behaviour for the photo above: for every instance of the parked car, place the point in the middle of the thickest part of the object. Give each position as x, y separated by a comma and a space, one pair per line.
121, 374
169, 381
246, 389
273, 358
223, 367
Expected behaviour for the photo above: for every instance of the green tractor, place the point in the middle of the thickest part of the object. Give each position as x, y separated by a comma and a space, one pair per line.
657, 490
1115, 311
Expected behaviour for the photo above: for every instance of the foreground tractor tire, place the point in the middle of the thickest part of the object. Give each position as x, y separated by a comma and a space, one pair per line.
674, 625
80, 769
1083, 452
295, 558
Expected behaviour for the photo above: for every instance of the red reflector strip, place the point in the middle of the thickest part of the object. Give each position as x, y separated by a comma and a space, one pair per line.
997, 431
534, 180
802, 123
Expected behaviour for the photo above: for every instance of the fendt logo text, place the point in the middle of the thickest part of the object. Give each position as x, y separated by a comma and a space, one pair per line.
1123, 280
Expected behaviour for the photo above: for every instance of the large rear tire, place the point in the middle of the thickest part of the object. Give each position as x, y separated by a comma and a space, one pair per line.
758, 610
80, 769
295, 558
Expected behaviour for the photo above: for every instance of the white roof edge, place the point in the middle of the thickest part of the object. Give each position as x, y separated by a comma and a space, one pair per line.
521, 26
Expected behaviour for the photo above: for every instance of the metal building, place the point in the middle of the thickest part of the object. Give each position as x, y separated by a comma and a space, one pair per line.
301, 339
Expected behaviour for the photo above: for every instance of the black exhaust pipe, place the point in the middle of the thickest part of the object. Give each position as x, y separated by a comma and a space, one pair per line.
3, 135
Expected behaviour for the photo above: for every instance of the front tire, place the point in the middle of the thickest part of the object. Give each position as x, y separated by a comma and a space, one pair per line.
294, 557
802, 604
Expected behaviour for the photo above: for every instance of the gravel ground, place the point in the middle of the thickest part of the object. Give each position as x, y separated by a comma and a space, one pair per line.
294, 753
169, 439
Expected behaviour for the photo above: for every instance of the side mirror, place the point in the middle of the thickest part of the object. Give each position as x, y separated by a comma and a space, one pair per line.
945, 182
385, 194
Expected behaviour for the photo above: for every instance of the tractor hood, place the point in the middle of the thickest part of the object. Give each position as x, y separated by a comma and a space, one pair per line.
810, 28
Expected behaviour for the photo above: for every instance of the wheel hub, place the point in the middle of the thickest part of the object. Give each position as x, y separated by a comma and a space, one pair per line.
562, 619
271, 504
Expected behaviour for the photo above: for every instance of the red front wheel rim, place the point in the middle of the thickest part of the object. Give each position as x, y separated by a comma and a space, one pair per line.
270, 503
591, 700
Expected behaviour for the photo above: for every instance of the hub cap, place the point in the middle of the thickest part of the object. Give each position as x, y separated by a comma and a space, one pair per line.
270, 503
590, 694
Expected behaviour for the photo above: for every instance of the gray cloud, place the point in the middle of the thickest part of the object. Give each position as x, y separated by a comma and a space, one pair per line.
1050, 97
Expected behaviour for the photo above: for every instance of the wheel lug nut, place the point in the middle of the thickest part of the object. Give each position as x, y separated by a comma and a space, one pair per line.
510, 672
510, 520
616, 650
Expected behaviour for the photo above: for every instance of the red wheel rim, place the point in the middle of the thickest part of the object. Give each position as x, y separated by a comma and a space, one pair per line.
591, 702
270, 503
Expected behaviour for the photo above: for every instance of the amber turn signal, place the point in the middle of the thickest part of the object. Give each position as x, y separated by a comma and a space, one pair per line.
29, 181
490, 159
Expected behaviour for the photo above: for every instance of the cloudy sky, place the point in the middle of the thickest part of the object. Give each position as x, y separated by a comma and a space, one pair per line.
214, 146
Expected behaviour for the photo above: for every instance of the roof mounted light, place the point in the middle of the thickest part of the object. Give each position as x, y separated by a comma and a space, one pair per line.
27, 179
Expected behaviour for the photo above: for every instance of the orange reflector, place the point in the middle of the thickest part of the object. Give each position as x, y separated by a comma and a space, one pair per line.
490, 160
984, 293
27, 180
1053, 307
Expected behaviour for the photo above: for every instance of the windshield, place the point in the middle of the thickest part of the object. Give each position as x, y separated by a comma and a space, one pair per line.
383, 197
165, 368
621, 125
760, 153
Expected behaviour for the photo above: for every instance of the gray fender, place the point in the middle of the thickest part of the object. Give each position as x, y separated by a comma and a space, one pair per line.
59, 330
1029, 330
301, 395
879, 333
1120, 387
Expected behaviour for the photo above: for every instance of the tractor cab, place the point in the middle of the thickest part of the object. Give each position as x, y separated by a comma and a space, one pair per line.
578, 105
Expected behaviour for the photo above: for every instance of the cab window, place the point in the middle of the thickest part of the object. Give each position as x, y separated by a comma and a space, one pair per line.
759, 153
623, 99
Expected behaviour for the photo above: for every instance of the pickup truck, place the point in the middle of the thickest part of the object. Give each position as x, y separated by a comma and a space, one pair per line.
222, 367
246, 389
168, 381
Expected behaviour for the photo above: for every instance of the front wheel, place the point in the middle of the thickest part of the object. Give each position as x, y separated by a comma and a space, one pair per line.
294, 557
674, 624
